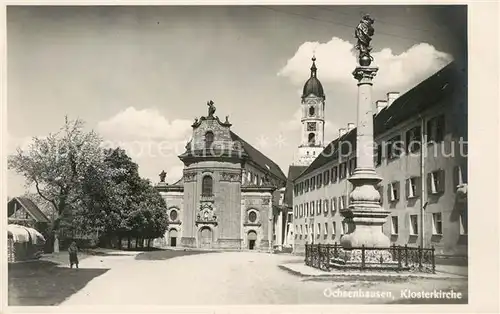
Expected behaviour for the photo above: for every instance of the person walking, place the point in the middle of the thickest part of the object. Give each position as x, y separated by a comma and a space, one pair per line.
73, 254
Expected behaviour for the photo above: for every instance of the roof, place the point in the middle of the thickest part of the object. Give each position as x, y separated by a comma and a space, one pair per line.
259, 158
424, 96
313, 85
293, 172
29, 206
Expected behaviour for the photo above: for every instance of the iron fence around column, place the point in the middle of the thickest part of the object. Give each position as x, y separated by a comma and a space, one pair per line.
408, 258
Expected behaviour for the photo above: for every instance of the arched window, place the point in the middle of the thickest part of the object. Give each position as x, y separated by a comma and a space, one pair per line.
209, 139
311, 111
311, 139
207, 186
252, 216
173, 215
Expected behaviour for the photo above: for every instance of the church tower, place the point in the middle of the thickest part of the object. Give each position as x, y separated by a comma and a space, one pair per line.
312, 118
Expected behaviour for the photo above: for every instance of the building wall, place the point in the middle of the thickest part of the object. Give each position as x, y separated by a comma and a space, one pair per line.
260, 203
452, 240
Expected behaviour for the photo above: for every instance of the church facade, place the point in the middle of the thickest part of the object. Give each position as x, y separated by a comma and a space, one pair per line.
229, 194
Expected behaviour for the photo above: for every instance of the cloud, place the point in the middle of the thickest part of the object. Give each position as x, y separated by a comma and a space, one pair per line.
150, 139
143, 124
336, 60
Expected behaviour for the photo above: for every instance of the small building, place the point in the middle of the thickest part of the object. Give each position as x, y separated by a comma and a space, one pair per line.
23, 211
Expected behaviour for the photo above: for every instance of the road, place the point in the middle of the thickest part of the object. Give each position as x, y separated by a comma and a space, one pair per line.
226, 278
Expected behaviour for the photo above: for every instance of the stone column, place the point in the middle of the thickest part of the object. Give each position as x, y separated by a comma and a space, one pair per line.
364, 213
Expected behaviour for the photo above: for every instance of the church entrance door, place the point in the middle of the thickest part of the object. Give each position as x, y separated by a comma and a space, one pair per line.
172, 235
252, 238
205, 237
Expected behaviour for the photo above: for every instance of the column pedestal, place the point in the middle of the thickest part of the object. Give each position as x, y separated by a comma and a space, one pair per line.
364, 214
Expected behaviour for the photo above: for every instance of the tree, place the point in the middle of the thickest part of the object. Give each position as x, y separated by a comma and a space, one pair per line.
56, 166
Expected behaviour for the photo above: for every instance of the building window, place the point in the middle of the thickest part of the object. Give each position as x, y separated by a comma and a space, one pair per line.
463, 223
334, 229
435, 182
318, 207
343, 227
326, 230
413, 224
436, 129
319, 230
334, 174
207, 186
306, 232
296, 213
342, 204
312, 208
306, 185
394, 225
313, 183
209, 139
311, 111
325, 206
352, 166
412, 187
378, 154
393, 191
413, 139
252, 216
394, 147
326, 177
301, 231
311, 139
301, 187
333, 204
173, 215
342, 170
437, 224
320, 177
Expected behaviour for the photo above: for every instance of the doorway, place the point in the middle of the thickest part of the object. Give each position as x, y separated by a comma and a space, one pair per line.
252, 239
172, 235
205, 237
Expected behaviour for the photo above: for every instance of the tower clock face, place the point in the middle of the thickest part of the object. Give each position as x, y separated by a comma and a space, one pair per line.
311, 126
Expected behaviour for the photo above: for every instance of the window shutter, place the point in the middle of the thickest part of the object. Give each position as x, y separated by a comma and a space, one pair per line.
429, 182
442, 181
418, 186
397, 195
407, 188
429, 130
456, 176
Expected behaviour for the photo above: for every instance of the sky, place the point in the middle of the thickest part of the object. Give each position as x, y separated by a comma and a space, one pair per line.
139, 76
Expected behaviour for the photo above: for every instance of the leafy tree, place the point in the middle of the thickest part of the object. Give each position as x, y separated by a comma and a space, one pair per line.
56, 166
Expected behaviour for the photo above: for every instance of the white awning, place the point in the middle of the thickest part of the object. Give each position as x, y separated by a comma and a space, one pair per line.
24, 234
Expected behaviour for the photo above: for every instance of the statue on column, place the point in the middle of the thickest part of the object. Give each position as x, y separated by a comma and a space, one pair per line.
163, 174
364, 32
211, 109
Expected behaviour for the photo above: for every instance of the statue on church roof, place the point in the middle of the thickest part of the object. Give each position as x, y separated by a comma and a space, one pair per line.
227, 120
163, 174
364, 32
211, 109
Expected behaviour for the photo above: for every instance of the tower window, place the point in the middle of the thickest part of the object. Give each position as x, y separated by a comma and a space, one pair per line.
207, 186
209, 139
311, 111
311, 139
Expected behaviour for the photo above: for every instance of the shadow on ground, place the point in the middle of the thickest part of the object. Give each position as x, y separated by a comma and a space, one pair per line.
167, 254
42, 283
